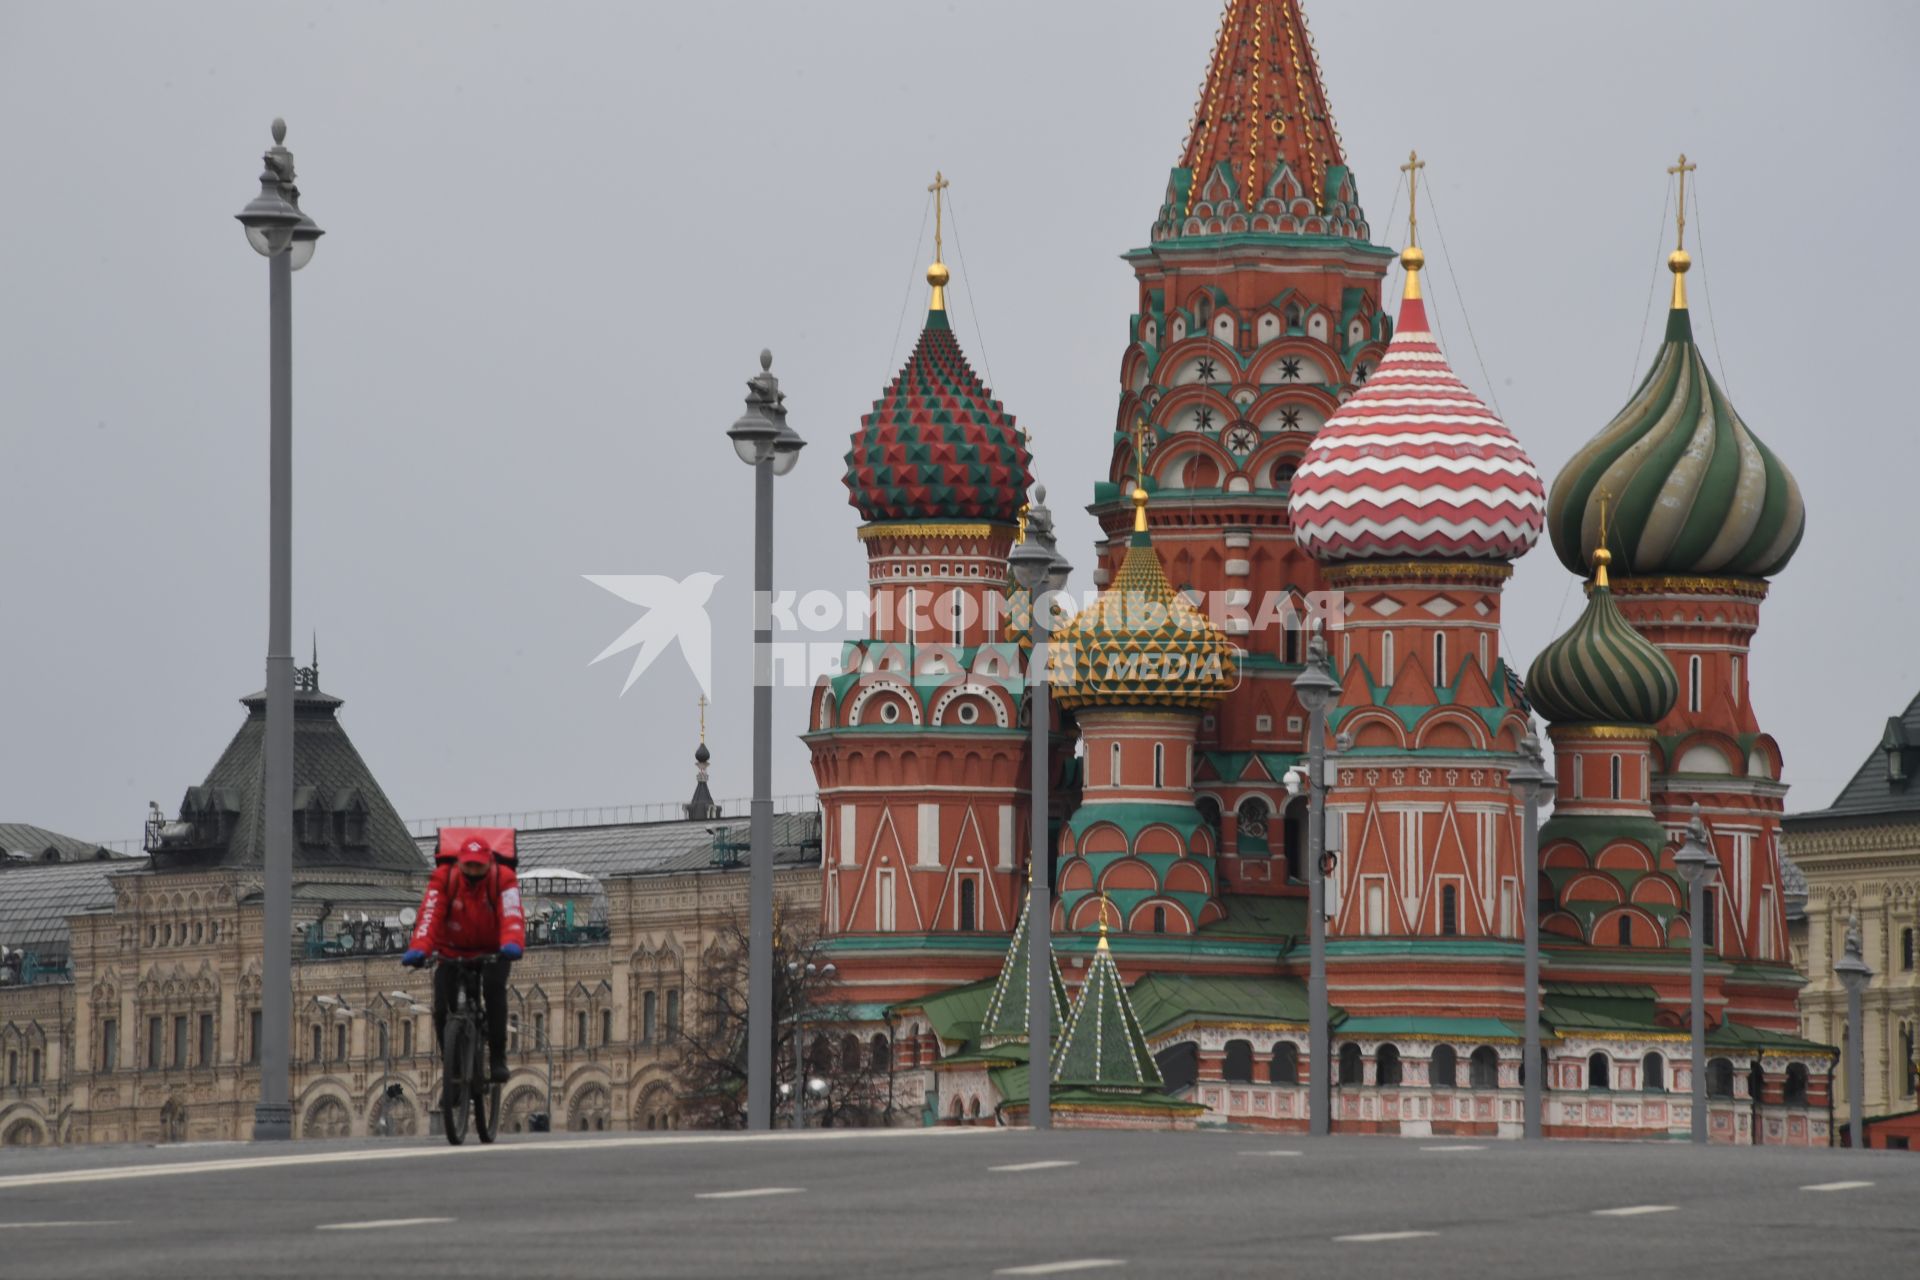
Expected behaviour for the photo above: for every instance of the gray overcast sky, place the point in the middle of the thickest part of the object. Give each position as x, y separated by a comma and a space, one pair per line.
559, 234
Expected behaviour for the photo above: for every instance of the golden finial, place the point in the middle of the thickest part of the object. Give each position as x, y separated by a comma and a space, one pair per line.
703, 719
1104, 904
1412, 259
1678, 262
1021, 520
1601, 556
937, 274
1141, 434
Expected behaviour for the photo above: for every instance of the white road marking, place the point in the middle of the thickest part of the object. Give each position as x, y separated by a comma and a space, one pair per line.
1061, 1268
1635, 1210
381, 1223
1032, 1164
749, 1193
562, 1146
96, 1222
1457, 1146
1269, 1153
1836, 1186
1376, 1237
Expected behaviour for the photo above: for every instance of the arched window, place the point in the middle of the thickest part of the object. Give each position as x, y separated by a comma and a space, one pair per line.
1653, 1073
1906, 950
1285, 1066
1439, 657
1599, 1072
1113, 759
1733, 685
1179, 1065
1386, 1065
1693, 683
1710, 911
967, 894
386, 1040
1796, 1092
1159, 919
1449, 910
1720, 1078
1159, 764
1625, 927
1613, 764
880, 1057
1483, 1068
1251, 837
1444, 1072
1385, 674
1351, 1070
1238, 1067
1210, 810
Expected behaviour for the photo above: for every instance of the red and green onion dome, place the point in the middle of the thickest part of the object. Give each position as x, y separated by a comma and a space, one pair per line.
937, 445
1687, 489
1414, 465
1602, 671
1141, 643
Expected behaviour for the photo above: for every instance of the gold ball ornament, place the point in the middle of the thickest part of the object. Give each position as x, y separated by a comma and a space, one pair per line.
938, 275
1679, 262
1412, 259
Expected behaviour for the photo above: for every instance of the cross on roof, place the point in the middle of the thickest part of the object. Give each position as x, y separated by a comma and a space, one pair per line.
1683, 169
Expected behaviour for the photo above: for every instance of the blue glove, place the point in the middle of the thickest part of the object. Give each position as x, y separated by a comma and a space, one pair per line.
511, 951
414, 958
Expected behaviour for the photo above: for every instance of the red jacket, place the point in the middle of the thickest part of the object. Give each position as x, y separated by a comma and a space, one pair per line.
459, 919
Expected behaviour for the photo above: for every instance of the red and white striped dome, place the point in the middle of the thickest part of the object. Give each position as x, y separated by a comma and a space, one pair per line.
1415, 466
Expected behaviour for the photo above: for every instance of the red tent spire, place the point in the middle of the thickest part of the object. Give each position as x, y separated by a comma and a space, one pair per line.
1262, 105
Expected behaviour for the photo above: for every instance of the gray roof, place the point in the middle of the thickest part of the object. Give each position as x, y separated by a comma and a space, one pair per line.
659, 848
36, 901
21, 842
1885, 785
332, 788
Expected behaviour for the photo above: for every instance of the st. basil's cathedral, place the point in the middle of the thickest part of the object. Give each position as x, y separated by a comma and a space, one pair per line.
1291, 445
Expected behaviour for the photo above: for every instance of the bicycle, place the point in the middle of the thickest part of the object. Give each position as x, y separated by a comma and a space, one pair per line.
464, 1059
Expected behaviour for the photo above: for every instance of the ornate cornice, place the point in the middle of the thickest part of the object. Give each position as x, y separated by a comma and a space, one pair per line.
1754, 589
1603, 732
932, 529
1450, 571
1801, 843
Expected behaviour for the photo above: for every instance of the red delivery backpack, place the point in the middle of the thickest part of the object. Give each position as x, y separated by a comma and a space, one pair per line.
498, 839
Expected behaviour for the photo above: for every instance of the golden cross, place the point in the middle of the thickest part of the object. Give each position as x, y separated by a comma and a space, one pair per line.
1140, 436
703, 719
1683, 169
1606, 496
1412, 169
938, 185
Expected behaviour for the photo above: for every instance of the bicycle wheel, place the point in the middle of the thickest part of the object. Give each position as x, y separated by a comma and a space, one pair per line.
457, 1078
486, 1112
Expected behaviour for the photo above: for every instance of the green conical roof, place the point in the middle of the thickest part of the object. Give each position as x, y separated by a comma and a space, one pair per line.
1007, 1009
1602, 671
1693, 491
1102, 1045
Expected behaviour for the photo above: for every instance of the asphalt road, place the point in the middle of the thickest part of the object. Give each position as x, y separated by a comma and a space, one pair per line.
957, 1203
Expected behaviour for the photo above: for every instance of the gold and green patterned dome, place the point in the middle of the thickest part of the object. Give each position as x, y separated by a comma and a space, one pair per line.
1142, 643
1602, 671
1688, 488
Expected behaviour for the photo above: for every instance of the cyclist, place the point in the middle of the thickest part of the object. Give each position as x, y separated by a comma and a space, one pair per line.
472, 909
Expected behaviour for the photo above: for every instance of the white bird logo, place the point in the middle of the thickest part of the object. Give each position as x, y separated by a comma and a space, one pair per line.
674, 611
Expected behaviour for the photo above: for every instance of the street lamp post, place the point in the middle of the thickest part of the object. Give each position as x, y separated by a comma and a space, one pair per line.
1040, 571
1854, 974
802, 976
1531, 781
286, 238
1695, 861
763, 440
1316, 689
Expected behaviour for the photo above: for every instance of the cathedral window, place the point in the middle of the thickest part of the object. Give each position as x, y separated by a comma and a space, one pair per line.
1238, 1065
1693, 683
1720, 1078
406, 1038
1734, 683
580, 1028
968, 893
1796, 1089
1439, 657
1599, 1073
1285, 1066
340, 1043
1386, 1066
1293, 317
1613, 770
253, 1037
649, 1012
1906, 950
1113, 765
1159, 919
883, 900
1159, 764
673, 1014
180, 1042
1444, 1073
206, 1040
110, 1044
1653, 1073
1625, 927
1449, 911
606, 1026
1483, 1068
1252, 835
1352, 1070
156, 1043
1386, 657
1710, 913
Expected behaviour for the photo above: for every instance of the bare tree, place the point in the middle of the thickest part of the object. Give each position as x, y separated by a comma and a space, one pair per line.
710, 1049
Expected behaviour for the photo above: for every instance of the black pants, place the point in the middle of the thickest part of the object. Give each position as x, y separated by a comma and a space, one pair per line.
493, 991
